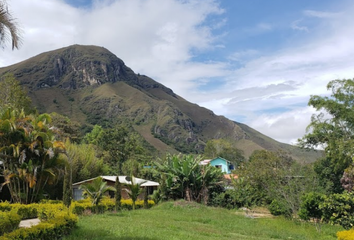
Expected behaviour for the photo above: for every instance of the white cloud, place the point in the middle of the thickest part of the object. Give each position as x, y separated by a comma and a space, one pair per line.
320, 14
296, 26
244, 55
285, 127
270, 92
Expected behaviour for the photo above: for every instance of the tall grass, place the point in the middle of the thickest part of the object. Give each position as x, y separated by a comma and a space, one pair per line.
192, 221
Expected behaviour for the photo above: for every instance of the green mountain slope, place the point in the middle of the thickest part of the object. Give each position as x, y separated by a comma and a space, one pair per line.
91, 85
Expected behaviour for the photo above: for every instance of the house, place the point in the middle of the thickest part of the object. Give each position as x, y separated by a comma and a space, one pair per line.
219, 162
111, 180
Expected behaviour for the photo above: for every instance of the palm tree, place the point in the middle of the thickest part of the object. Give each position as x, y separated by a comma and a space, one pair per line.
8, 26
134, 189
186, 178
95, 190
29, 153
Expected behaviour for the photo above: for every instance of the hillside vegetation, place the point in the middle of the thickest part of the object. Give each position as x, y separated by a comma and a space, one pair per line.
91, 85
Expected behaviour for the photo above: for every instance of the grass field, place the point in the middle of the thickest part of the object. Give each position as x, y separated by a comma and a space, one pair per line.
184, 221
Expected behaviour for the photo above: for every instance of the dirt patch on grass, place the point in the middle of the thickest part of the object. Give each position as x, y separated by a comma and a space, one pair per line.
187, 204
255, 213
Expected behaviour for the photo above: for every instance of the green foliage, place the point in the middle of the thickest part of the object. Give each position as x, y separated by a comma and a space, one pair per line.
134, 189
12, 95
54, 228
310, 206
93, 136
26, 211
333, 128
56, 220
184, 177
30, 154
274, 176
339, 209
118, 146
224, 199
9, 221
278, 208
65, 128
83, 162
95, 190
156, 196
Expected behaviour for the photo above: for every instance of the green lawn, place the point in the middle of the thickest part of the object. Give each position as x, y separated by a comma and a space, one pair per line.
168, 221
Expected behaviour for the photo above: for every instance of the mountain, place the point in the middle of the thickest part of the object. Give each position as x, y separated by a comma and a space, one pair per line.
91, 85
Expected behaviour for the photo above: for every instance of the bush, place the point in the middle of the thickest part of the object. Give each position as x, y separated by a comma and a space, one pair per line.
52, 229
9, 221
339, 209
107, 204
310, 206
346, 235
224, 200
56, 219
278, 208
25, 211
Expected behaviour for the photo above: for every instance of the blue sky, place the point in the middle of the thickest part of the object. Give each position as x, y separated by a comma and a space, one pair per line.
254, 61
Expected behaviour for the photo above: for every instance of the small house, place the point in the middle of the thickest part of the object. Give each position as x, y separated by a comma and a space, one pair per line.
111, 180
219, 162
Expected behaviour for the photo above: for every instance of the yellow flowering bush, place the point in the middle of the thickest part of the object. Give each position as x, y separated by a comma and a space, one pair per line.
56, 221
107, 204
346, 235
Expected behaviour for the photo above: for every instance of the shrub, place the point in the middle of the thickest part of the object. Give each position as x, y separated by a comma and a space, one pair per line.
107, 204
52, 229
278, 208
224, 199
339, 209
25, 211
346, 235
310, 206
9, 221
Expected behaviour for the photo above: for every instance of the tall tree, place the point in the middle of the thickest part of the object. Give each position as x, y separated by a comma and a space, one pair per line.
275, 176
65, 128
13, 95
84, 162
8, 26
121, 146
333, 129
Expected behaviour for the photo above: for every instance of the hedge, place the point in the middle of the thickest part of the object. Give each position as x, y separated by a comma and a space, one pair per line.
54, 228
56, 221
25, 211
346, 235
107, 204
9, 221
